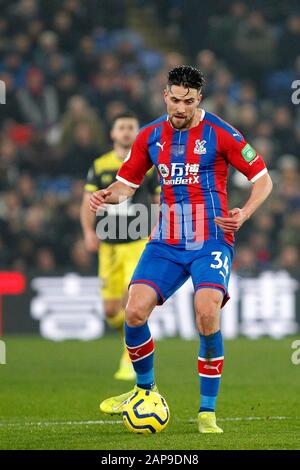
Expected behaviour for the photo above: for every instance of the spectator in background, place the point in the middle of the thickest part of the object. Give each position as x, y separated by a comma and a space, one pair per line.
260, 245
105, 89
56, 66
134, 87
67, 216
247, 118
45, 262
81, 152
23, 46
33, 30
112, 110
78, 111
26, 189
289, 260
39, 157
38, 102
9, 164
23, 12
80, 258
67, 86
85, 59
255, 42
283, 122
245, 263
289, 183
14, 66
289, 41
222, 32
68, 36
207, 62
264, 147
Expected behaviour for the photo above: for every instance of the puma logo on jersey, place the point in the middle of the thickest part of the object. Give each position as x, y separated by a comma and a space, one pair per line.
161, 145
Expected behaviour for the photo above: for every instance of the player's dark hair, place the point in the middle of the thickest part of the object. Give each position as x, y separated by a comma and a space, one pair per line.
124, 115
186, 76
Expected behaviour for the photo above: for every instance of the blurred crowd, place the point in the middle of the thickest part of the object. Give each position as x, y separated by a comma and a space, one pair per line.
69, 67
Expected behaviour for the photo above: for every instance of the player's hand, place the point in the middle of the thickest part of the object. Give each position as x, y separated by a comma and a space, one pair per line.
98, 199
91, 241
232, 223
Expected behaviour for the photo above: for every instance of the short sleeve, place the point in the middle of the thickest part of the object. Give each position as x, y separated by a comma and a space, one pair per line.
137, 163
91, 184
242, 156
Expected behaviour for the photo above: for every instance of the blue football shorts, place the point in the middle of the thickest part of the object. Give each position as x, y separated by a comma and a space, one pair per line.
165, 268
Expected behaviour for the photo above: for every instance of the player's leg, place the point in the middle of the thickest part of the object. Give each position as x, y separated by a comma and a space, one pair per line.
210, 273
112, 291
142, 299
160, 270
140, 345
211, 355
115, 317
158, 274
129, 255
114, 313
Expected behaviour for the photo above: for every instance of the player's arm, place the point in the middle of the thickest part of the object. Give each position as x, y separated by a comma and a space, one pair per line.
88, 218
260, 191
130, 175
246, 160
116, 193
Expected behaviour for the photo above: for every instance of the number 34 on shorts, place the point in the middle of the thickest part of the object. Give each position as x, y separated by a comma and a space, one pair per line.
221, 264
213, 269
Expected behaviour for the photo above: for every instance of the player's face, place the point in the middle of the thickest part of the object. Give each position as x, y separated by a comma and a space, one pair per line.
124, 132
181, 105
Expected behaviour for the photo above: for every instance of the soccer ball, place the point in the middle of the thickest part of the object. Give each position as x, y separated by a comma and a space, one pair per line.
146, 412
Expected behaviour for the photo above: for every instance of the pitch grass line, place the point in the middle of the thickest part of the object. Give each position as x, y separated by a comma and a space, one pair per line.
4, 424
57, 423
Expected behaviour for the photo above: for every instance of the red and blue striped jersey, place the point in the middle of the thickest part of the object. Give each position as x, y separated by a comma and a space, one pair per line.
193, 170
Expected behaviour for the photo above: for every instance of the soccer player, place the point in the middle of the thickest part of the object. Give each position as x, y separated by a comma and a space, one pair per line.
117, 257
192, 150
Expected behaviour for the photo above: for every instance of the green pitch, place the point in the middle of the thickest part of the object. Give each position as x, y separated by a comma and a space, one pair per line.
49, 396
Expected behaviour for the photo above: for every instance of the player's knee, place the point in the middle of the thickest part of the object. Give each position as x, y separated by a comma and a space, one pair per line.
207, 312
142, 299
135, 315
206, 323
208, 301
